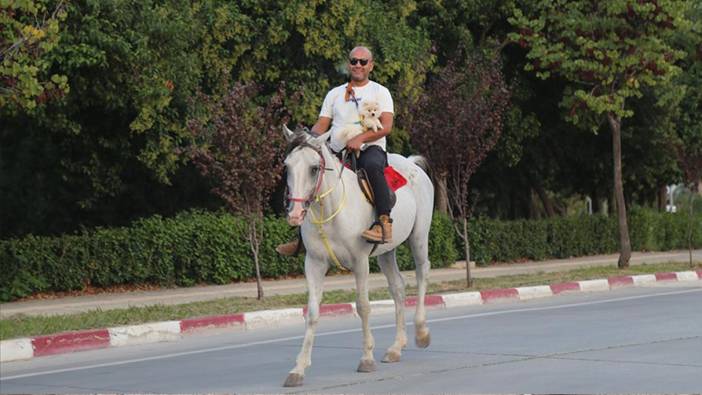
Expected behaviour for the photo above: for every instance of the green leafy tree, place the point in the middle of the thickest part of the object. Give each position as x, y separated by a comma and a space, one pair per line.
29, 30
104, 153
608, 51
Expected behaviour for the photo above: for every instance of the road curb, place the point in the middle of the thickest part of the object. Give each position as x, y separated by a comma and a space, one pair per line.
27, 348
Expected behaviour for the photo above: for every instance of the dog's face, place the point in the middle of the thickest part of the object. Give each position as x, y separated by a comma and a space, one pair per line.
370, 109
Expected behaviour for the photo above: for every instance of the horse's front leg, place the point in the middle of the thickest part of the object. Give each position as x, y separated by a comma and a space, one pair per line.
367, 363
396, 284
314, 274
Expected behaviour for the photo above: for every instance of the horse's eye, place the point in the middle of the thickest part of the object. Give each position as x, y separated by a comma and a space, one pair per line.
314, 170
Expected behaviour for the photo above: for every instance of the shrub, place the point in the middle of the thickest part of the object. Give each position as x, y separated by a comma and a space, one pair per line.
504, 241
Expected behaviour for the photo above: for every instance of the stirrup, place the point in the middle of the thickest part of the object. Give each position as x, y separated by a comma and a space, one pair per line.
383, 236
382, 233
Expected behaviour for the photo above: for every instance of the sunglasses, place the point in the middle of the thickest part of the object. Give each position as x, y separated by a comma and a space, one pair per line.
354, 61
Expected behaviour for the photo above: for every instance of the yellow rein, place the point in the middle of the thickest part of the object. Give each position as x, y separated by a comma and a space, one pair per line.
321, 222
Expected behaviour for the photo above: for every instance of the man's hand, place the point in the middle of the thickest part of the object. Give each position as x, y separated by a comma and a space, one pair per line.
355, 143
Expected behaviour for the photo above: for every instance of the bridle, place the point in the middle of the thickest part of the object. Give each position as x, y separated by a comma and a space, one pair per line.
307, 201
315, 196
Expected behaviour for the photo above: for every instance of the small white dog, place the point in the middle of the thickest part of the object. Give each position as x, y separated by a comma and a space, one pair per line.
370, 120
370, 115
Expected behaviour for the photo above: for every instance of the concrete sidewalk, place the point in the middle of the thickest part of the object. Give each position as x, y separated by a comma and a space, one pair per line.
106, 301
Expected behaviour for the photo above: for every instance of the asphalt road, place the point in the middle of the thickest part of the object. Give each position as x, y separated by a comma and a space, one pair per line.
632, 340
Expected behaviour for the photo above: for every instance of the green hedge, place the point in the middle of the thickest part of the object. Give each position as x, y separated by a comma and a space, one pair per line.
211, 248
192, 248
505, 241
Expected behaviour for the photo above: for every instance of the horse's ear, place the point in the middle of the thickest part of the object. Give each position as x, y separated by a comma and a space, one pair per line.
289, 134
322, 138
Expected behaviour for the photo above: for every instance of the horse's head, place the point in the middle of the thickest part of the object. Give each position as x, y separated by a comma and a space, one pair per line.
305, 165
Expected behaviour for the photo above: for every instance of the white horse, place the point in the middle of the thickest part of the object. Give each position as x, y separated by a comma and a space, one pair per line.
332, 233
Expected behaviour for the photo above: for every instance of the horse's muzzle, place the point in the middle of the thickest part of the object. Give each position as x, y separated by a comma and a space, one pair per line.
296, 216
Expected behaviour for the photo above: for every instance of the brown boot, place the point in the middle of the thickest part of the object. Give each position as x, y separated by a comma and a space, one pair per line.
290, 248
381, 232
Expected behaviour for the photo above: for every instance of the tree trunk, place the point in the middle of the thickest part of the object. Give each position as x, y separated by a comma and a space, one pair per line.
615, 124
691, 222
596, 203
441, 194
604, 207
254, 243
466, 243
545, 200
534, 206
662, 198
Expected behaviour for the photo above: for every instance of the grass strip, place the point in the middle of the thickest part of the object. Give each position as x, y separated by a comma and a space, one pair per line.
24, 326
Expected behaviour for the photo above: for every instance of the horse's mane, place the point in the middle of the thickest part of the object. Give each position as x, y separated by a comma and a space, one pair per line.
302, 135
299, 140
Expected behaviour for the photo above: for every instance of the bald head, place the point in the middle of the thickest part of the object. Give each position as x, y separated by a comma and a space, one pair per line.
361, 52
360, 65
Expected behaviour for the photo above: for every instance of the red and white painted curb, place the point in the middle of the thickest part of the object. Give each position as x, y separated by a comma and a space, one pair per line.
26, 348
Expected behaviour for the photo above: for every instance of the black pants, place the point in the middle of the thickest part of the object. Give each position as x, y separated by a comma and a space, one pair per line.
373, 160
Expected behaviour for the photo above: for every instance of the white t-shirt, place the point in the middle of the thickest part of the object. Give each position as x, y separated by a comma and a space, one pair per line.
345, 113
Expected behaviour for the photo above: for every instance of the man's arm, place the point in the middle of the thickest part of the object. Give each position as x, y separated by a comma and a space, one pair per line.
386, 120
322, 126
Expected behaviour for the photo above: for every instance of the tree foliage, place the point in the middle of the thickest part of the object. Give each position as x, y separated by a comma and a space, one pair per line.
29, 30
80, 159
608, 50
240, 145
459, 120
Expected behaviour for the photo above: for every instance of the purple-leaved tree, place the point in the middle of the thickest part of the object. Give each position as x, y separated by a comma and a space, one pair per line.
239, 145
455, 123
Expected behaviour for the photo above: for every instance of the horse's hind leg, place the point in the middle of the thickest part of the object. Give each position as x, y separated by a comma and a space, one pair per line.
314, 274
396, 285
419, 244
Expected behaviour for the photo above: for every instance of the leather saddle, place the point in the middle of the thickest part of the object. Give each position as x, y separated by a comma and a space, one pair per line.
394, 179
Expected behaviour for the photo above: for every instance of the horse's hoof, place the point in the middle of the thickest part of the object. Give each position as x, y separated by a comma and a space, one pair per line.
293, 380
423, 341
366, 366
391, 356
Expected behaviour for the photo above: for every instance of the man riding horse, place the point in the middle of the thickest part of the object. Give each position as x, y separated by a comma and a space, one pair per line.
340, 108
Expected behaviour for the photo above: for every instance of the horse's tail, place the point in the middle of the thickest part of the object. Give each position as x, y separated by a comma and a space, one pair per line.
422, 162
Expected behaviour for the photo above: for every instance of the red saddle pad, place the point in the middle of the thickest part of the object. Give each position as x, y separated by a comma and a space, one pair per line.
395, 180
